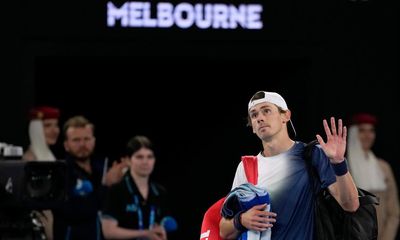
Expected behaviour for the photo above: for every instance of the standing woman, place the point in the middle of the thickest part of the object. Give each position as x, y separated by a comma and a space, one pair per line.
373, 173
43, 133
135, 206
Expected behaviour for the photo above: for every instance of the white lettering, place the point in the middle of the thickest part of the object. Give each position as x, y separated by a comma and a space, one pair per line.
185, 15
179, 12
135, 14
147, 20
237, 16
253, 16
113, 14
205, 234
203, 17
220, 16
165, 19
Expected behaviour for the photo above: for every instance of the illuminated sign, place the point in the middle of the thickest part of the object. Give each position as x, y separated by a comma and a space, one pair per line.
185, 15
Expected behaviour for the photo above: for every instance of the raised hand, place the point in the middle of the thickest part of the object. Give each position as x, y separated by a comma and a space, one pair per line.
116, 172
335, 146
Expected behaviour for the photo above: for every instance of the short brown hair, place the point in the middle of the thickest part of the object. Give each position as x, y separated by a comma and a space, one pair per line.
76, 122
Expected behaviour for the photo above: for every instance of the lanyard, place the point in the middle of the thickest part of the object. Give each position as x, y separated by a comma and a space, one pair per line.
152, 217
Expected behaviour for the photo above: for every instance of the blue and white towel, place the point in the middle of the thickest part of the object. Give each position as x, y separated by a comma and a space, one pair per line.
243, 198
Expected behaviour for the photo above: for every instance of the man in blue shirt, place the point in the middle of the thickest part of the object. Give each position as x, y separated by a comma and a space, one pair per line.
87, 179
283, 173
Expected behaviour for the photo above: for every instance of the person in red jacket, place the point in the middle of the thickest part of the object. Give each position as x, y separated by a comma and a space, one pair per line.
210, 224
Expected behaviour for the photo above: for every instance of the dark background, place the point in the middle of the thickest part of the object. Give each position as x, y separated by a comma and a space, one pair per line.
188, 89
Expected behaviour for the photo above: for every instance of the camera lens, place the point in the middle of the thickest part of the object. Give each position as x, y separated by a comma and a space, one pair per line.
39, 185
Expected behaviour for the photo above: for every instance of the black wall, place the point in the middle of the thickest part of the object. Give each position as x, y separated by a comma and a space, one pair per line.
188, 90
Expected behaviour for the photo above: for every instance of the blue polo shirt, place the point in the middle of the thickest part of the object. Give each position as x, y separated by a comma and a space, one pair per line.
286, 178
